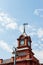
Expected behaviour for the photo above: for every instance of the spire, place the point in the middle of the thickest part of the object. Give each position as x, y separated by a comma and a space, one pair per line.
24, 27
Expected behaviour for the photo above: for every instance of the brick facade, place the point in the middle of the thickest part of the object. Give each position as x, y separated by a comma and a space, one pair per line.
24, 52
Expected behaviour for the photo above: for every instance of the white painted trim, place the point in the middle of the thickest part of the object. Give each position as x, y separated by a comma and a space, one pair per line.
24, 59
23, 48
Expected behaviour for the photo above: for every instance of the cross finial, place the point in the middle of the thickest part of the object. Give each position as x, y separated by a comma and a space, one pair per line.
24, 27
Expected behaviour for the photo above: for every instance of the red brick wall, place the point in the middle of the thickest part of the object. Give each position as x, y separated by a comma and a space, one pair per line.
24, 63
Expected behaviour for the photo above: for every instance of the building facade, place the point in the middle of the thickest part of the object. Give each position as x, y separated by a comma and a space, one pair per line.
25, 56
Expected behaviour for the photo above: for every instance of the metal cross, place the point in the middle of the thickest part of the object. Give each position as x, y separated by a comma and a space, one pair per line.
24, 26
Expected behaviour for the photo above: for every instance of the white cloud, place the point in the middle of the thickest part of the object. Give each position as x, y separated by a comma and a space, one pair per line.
7, 22
32, 33
40, 32
1, 30
30, 27
38, 50
38, 12
38, 45
5, 46
21, 28
11, 25
42, 39
39, 55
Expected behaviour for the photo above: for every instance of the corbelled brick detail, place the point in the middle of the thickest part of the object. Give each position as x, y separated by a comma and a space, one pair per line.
12, 59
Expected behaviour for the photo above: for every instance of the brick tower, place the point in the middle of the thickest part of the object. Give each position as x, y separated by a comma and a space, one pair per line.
24, 51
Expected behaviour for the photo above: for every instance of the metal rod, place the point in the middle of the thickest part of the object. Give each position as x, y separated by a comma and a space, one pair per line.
14, 53
15, 57
24, 27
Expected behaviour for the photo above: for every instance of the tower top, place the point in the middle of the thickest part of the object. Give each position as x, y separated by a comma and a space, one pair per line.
24, 27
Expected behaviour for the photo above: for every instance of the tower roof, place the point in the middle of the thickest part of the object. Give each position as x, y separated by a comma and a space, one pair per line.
24, 35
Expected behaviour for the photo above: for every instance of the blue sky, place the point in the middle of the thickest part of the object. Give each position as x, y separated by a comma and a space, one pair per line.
13, 13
